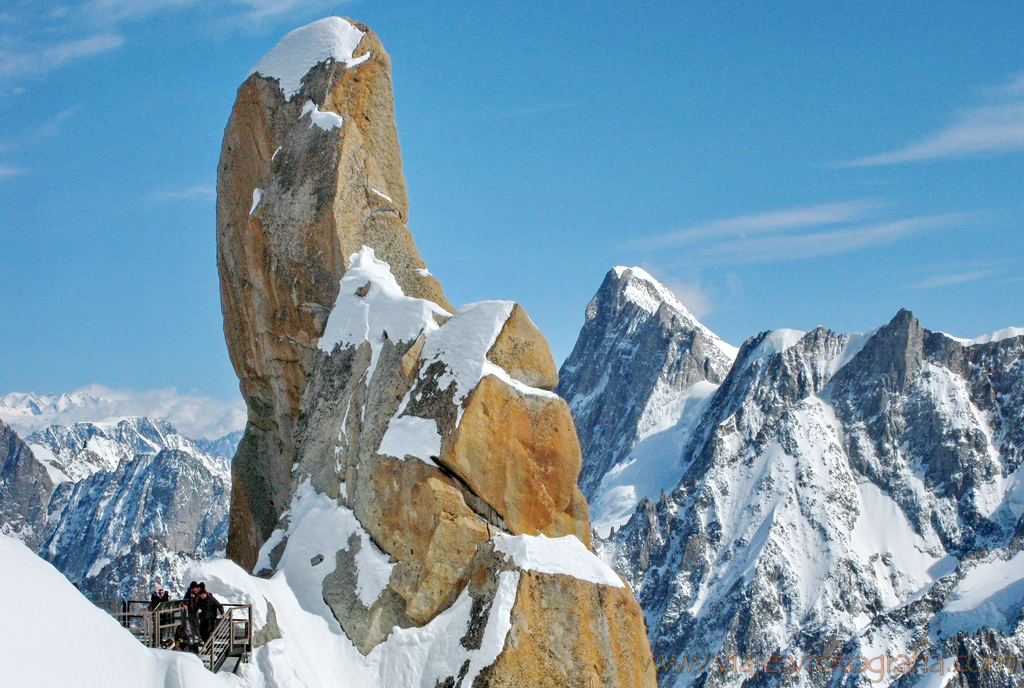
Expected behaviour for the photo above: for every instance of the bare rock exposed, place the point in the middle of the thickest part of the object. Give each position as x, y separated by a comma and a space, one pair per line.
429, 432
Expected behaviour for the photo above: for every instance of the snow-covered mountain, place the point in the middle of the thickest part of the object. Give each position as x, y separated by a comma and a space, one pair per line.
112, 506
641, 362
193, 415
835, 493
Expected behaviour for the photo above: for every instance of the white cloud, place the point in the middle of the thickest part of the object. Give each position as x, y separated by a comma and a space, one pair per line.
793, 234
951, 279
193, 415
8, 171
38, 39
774, 221
66, 51
28, 60
202, 192
996, 127
691, 295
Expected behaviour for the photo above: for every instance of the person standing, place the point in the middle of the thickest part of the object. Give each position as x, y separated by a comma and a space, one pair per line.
188, 631
210, 609
158, 596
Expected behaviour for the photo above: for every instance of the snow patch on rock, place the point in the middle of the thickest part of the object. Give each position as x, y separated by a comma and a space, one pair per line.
313, 650
409, 435
371, 306
305, 47
324, 120
565, 555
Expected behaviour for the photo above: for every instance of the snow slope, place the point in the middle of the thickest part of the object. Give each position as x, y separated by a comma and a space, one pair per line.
86, 648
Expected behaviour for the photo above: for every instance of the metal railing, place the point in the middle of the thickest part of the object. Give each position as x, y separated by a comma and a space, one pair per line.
231, 637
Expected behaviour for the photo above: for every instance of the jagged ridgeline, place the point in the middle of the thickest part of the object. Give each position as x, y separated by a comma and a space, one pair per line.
810, 494
406, 466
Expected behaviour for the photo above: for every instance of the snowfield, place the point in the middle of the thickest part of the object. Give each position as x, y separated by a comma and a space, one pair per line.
50, 635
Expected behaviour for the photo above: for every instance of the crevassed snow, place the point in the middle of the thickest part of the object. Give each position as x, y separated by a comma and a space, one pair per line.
302, 49
324, 120
990, 595
414, 436
653, 465
385, 310
563, 555
257, 196
100, 654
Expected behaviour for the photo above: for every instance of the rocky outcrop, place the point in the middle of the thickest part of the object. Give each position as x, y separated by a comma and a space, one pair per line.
422, 432
300, 190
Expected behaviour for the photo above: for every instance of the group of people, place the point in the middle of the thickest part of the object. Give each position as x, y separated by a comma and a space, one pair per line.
200, 611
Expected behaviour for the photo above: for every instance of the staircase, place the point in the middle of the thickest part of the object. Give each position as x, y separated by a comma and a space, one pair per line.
230, 638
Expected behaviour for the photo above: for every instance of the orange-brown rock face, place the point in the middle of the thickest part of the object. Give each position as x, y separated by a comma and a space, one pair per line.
431, 432
295, 198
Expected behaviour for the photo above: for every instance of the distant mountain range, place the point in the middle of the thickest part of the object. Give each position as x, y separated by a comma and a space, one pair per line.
114, 506
195, 416
812, 493
809, 494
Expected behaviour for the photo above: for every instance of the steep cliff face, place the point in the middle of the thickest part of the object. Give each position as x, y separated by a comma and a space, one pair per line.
25, 489
310, 171
836, 494
639, 376
393, 442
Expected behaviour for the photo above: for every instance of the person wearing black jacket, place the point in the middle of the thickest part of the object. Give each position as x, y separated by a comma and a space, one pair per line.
158, 596
209, 610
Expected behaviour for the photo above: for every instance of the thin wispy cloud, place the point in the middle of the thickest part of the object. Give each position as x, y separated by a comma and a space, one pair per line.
30, 60
795, 233
48, 128
36, 40
774, 221
8, 171
202, 192
952, 279
996, 126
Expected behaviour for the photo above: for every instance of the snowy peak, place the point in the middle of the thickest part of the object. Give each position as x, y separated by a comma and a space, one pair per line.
82, 449
637, 286
624, 287
331, 38
638, 354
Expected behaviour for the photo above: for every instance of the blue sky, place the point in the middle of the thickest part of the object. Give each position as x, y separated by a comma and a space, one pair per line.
778, 164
